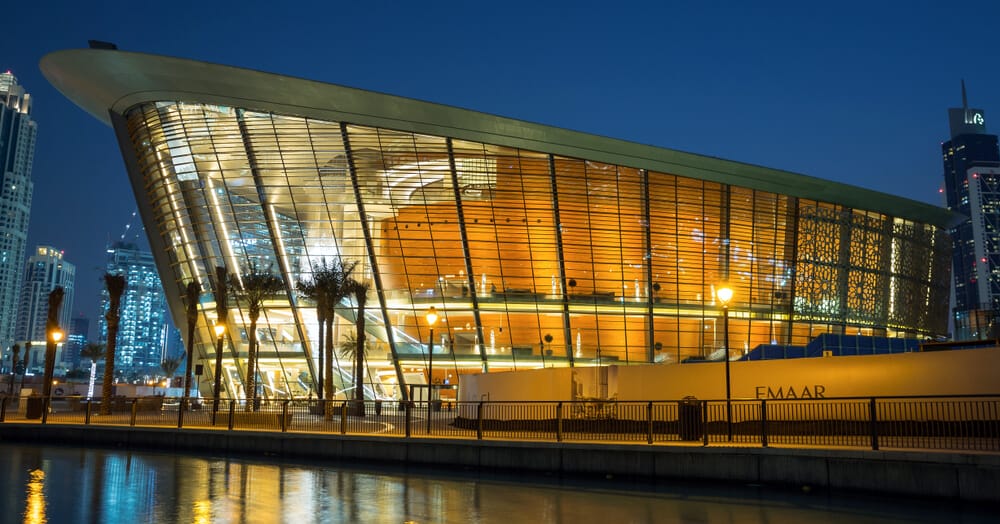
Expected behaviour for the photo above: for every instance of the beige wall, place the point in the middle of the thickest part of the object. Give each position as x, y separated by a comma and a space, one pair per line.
536, 384
964, 372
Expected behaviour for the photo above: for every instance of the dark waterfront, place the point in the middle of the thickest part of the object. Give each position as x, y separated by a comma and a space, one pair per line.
76, 485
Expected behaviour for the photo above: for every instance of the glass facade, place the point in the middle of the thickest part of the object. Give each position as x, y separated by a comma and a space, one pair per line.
531, 258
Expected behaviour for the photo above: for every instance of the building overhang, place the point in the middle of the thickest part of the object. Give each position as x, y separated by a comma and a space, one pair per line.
101, 80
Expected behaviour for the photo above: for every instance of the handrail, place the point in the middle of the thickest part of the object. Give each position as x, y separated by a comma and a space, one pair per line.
944, 423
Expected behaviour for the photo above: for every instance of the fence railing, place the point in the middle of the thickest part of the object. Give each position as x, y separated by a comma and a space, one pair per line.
941, 423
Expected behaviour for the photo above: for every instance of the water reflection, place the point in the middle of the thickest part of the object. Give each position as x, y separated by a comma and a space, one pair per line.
108, 486
34, 508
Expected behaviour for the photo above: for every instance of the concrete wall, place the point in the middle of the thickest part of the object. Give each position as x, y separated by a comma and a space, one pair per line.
535, 384
970, 477
965, 372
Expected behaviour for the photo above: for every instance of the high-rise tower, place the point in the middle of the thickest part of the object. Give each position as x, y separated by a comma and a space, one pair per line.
972, 188
45, 271
145, 330
79, 335
17, 151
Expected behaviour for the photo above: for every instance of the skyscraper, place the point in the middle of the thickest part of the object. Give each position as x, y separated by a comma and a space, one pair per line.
17, 152
79, 333
972, 188
145, 329
45, 270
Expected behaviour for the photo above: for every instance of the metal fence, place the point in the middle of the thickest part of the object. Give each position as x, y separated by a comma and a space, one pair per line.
939, 423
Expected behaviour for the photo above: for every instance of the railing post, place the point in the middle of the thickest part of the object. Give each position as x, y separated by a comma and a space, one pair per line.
343, 418
284, 415
409, 417
3, 408
479, 421
649, 422
704, 421
180, 412
873, 418
86, 417
559, 421
135, 407
45, 410
232, 413
763, 423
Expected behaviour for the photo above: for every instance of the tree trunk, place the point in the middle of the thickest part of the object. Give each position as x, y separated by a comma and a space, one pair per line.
13, 367
252, 364
359, 374
193, 293
319, 352
328, 385
107, 386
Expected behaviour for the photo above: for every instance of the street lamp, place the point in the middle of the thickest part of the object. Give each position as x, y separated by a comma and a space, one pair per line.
431, 317
220, 331
55, 336
725, 293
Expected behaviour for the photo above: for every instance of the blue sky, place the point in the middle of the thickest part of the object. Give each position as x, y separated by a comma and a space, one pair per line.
850, 91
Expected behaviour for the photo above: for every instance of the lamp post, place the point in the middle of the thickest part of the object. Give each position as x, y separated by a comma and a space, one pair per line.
55, 336
725, 294
220, 331
431, 317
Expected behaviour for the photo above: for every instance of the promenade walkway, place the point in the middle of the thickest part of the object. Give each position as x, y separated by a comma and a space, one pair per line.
522, 437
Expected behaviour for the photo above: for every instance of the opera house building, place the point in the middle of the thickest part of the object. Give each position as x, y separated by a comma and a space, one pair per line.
537, 246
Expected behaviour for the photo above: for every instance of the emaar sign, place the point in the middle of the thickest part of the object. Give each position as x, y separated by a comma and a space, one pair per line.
814, 391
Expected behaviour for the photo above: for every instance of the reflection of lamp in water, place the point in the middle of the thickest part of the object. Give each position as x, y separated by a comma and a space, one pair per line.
725, 294
34, 508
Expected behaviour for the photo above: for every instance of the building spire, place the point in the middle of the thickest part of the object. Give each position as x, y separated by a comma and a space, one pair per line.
965, 103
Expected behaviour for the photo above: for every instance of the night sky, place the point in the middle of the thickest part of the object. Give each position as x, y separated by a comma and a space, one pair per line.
850, 91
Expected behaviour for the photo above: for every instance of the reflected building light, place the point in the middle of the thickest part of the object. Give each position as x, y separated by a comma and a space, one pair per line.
202, 512
493, 343
34, 509
579, 350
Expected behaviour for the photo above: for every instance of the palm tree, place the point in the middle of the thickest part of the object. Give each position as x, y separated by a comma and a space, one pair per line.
170, 366
333, 281
360, 290
258, 286
310, 291
116, 288
192, 295
51, 326
92, 351
13, 366
222, 311
24, 362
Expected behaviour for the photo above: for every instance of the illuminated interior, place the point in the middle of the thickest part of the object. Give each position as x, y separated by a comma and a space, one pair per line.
532, 259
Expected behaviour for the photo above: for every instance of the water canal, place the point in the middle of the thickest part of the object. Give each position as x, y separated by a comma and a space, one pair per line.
51, 484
